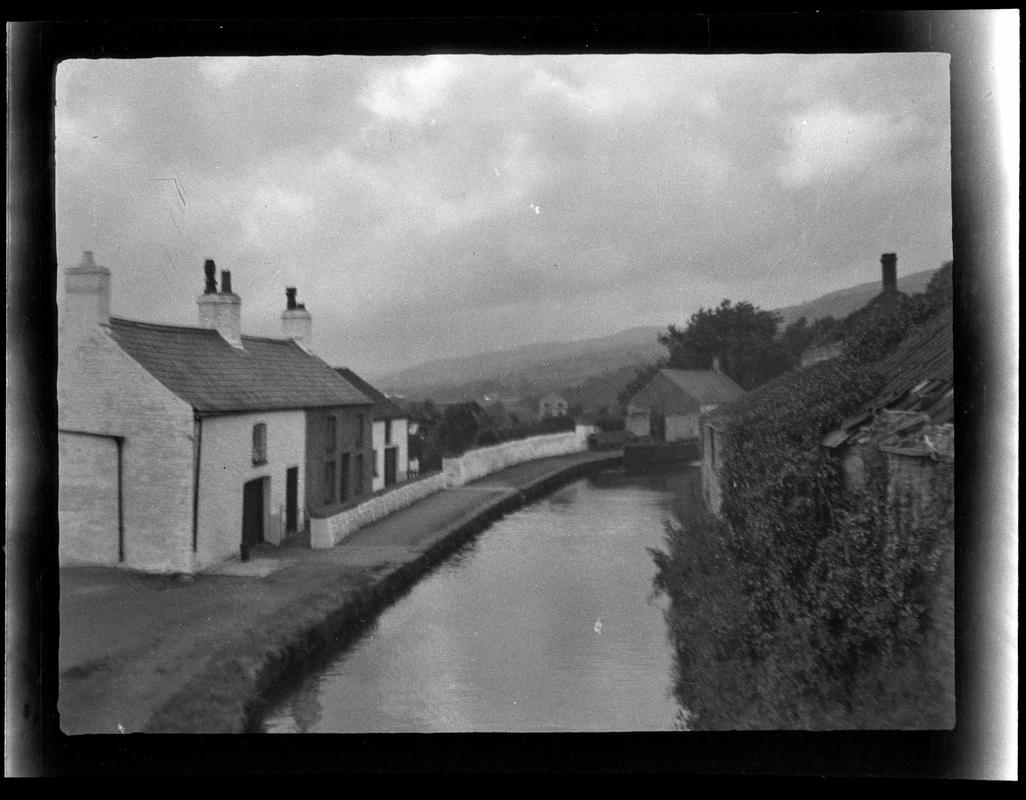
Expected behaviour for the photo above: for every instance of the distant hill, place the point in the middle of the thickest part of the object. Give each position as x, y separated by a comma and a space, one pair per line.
841, 303
527, 371
589, 372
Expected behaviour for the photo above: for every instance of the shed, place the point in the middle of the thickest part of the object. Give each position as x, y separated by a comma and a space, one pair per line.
668, 407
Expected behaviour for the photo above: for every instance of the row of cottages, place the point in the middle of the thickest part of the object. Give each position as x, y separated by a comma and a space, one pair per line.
389, 437
667, 408
903, 436
183, 446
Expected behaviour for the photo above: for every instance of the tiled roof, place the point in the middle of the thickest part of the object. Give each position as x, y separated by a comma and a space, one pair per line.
705, 385
919, 376
213, 377
383, 407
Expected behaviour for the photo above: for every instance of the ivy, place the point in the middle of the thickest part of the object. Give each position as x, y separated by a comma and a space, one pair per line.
807, 604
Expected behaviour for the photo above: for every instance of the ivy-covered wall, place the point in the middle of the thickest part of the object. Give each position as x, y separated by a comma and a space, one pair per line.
808, 605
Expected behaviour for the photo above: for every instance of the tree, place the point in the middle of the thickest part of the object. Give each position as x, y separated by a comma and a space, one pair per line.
800, 335
743, 337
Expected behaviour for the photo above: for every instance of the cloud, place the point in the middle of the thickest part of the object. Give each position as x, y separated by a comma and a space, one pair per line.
411, 198
412, 92
827, 142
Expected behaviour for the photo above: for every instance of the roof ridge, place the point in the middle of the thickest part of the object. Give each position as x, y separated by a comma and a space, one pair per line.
162, 325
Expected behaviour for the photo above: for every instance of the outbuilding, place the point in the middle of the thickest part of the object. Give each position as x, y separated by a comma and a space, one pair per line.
668, 407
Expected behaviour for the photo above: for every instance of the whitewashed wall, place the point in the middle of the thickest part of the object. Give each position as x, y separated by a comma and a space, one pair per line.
475, 464
330, 531
100, 389
486, 460
399, 440
681, 426
226, 464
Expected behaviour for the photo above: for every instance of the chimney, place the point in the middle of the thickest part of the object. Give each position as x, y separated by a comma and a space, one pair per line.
296, 322
889, 264
87, 295
220, 310
716, 364
210, 268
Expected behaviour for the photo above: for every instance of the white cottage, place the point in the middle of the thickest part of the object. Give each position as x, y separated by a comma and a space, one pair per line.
180, 446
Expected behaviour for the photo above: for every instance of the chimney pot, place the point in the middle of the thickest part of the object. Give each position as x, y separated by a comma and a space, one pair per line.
209, 268
221, 311
296, 323
889, 267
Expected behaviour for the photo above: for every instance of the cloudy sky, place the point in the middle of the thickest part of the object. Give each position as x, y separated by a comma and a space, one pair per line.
447, 204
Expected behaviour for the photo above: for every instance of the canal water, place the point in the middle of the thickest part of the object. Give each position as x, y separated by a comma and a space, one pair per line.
544, 622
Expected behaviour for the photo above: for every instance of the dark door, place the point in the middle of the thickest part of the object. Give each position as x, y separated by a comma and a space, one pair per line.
252, 514
291, 499
390, 465
658, 431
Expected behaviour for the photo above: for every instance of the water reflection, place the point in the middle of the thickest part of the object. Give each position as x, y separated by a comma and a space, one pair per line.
545, 623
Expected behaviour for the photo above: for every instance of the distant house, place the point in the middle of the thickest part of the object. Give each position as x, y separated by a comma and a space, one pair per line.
183, 446
667, 409
390, 437
552, 405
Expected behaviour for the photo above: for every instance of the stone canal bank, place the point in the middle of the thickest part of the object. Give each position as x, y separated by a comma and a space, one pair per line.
153, 653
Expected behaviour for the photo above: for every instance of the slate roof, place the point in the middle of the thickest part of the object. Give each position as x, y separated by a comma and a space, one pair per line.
199, 366
685, 391
919, 379
705, 385
383, 407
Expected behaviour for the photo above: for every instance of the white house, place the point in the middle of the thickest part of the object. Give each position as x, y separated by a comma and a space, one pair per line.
180, 446
389, 437
552, 405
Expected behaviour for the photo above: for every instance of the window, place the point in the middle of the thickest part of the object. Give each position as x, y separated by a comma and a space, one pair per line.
329, 481
359, 473
259, 444
330, 433
374, 455
343, 491
359, 430
388, 431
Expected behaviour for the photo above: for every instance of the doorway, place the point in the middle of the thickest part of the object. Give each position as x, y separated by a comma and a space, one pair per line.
252, 515
390, 465
291, 500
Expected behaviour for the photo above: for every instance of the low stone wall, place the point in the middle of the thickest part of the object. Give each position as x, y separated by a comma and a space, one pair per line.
486, 460
329, 531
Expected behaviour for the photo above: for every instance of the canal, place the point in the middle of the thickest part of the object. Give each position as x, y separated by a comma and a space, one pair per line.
544, 622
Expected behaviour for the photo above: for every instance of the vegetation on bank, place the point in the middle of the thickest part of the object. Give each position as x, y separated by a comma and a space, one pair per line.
808, 606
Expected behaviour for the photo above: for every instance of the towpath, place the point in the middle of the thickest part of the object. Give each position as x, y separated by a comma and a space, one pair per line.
144, 652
